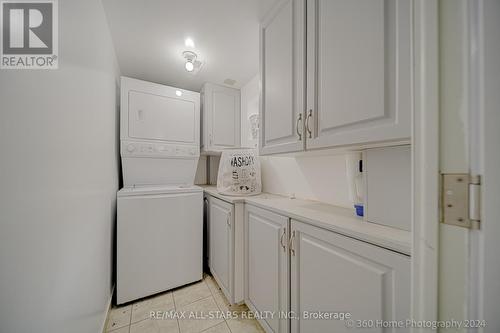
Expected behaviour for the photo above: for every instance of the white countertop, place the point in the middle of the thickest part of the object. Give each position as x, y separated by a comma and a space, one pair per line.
337, 219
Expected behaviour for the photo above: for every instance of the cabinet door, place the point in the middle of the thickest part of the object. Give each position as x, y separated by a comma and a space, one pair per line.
267, 266
221, 243
334, 273
221, 112
358, 71
282, 51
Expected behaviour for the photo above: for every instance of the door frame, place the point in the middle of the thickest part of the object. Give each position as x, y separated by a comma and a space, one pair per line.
425, 162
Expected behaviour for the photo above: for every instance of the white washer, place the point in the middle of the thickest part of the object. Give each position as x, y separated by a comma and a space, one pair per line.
159, 239
160, 211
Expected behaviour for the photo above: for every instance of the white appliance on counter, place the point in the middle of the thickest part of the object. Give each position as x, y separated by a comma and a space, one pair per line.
159, 210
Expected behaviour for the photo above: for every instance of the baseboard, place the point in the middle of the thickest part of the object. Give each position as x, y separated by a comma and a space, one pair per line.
108, 307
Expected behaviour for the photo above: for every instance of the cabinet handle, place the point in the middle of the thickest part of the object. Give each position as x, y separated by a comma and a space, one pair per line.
228, 220
299, 133
282, 238
309, 115
292, 238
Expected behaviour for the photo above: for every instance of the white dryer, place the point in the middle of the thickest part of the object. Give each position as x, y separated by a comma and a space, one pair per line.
160, 211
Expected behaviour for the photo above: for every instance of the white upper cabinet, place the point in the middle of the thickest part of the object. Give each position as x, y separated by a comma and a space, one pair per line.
282, 61
220, 108
358, 72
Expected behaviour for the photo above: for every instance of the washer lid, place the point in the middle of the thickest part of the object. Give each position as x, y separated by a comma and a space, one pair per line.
158, 189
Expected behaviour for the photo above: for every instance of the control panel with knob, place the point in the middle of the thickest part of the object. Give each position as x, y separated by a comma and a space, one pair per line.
158, 150
130, 148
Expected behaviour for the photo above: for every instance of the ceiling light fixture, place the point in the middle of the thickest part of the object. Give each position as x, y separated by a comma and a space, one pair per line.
178, 93
189, 66
190, 60
189, 42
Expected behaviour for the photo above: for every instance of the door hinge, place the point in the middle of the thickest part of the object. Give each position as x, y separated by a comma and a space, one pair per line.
460, 200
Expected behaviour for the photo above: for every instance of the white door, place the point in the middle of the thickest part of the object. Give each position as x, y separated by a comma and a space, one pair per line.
358, 71
221, 244
221, 112
267, 265
282, 49
334, 273
484, 47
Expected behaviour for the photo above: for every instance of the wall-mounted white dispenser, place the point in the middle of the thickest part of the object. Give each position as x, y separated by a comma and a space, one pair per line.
354, 169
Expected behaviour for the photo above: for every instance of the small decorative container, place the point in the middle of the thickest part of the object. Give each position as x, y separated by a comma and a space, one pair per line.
239, 172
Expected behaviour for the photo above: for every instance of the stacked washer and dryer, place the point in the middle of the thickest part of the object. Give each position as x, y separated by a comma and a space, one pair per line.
159, 210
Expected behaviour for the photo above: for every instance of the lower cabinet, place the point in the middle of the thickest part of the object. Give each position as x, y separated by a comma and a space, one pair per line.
267, 267
225, 246
295, 272
221, 243
334, 273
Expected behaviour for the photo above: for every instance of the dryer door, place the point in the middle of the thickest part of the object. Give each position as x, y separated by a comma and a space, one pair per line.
155, 117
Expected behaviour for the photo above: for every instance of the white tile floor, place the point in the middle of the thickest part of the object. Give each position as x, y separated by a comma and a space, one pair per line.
203, 298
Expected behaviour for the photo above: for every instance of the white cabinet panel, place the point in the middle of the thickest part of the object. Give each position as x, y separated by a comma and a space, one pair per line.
387, 190
358, 71
351, 45
267, 265
224, 131
282, 78
225, 228
221, 117
221, 243
334, 273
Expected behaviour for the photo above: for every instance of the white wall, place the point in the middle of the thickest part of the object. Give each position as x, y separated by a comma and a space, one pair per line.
249, 105
321, 178
201, 171
58, 177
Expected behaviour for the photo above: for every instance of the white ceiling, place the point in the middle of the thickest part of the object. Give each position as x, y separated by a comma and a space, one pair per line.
149, 39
